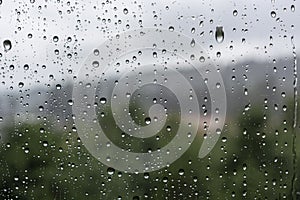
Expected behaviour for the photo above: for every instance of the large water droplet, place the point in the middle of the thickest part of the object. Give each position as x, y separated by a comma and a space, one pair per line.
7, 45
219, 34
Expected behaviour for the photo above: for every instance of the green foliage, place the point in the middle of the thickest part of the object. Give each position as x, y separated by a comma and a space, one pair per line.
253, 160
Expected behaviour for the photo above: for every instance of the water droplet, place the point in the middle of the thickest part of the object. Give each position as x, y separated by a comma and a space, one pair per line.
55, 38
235, 13
146, 175
103, 100
7, 45
219, 34
58, 86
224, 139
169, 128
70, 102
201, 24
193, 30
148, 120
202, 59
45, 143
95, 64
110, 171
154, 55
96, 52
125, 11
181, 172
292, 8
41, 108
273, 14
26, 150
26, 67
193, 43
171, 28
21, 84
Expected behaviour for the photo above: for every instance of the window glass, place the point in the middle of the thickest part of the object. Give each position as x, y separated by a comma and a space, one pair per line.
149, 99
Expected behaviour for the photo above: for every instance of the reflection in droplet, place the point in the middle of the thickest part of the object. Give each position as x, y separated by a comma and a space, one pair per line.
219, 34
7, 45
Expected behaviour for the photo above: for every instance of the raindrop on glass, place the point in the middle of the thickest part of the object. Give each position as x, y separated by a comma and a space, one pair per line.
273, 14
7, 45
235, 13
103, 100
219, 34
147, 120
193, 43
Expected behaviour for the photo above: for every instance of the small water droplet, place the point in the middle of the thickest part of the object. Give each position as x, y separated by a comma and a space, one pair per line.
193, 43
103, 100
202, 59
45, 143
219, 34
273, 14
7, 45
235, 13
193, 30
171, 28
26, 150
292, 8
96, 52
21, 84
70, 102
95, 64
26, 67
169, 128
181, 172
148, 120
41, 108
125, 11
110, 171
55, 38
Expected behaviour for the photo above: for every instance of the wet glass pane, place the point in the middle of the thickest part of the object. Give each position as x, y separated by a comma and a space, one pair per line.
149, 99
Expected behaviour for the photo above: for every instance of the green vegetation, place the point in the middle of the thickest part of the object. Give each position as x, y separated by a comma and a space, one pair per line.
252, 160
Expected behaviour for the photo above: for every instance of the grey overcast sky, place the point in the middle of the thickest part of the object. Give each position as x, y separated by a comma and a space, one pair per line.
82, 26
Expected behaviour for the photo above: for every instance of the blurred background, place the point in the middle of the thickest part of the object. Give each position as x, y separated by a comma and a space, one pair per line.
44, 45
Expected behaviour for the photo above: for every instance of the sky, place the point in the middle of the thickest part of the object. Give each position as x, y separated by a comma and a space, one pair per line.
81, 26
